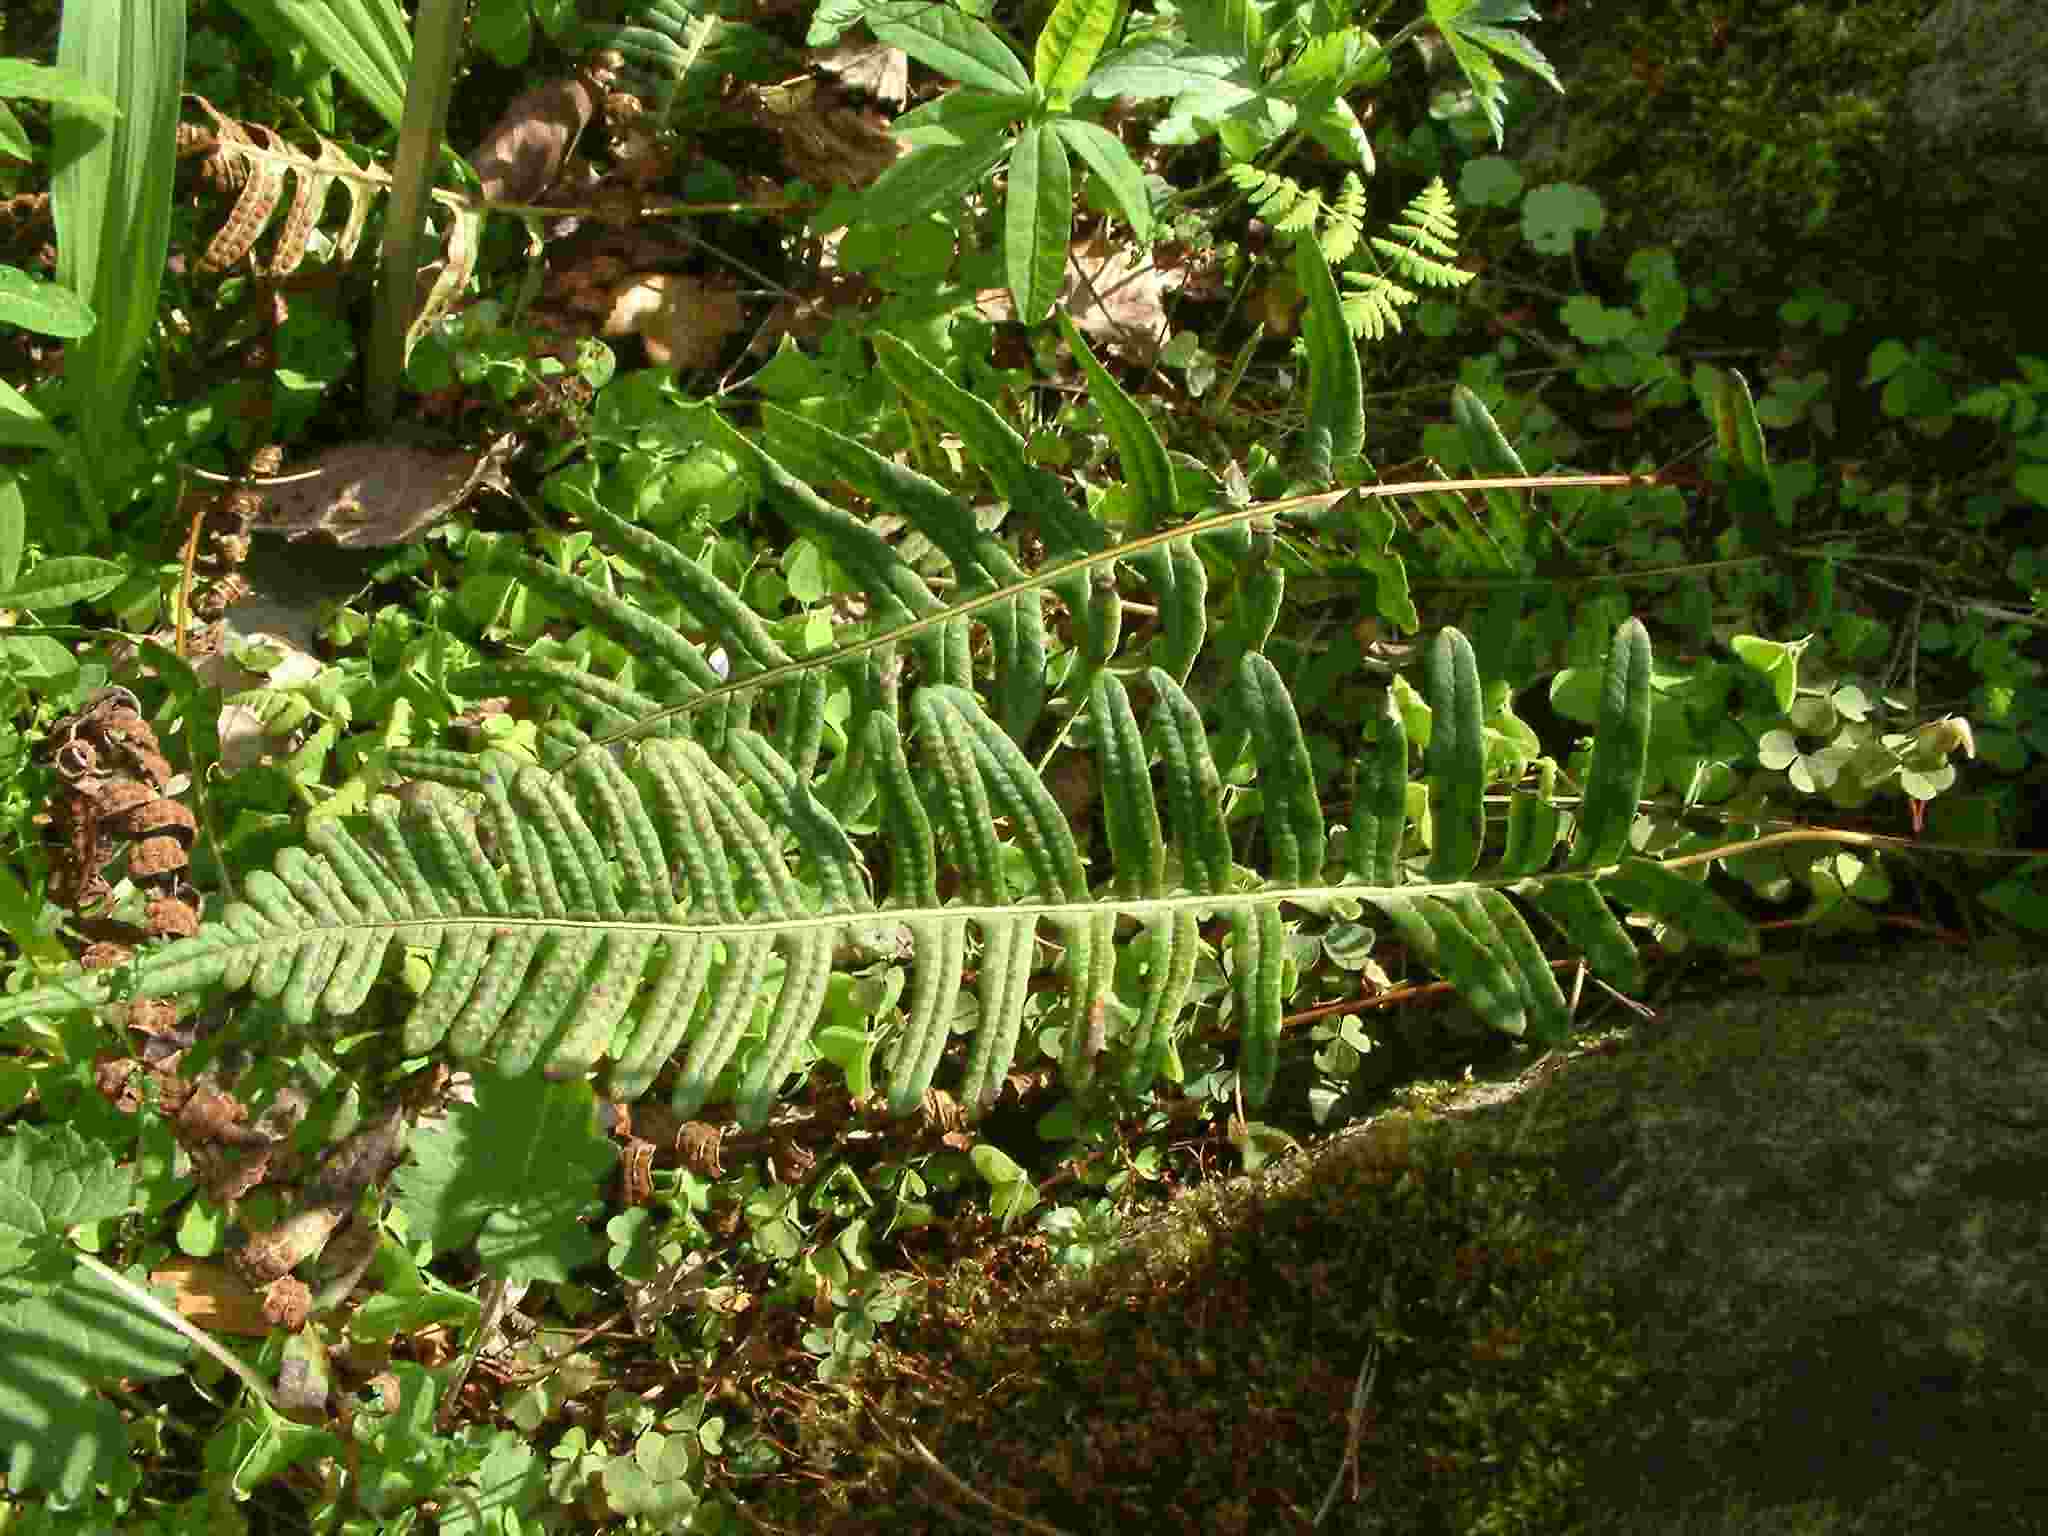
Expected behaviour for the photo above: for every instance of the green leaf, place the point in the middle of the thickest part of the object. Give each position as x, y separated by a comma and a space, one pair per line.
1456, 761
1336, 389
68, 579
1069, 45
21, 80
930, 178
1737, 432
1106, 156
959, 117
955, 45
1037, 221
50, 309
1556, 214
514, 1172
365, 41
1143, 455
65, 1332
111, 192
1148, 71
1621, 743
1647, 886
13, 529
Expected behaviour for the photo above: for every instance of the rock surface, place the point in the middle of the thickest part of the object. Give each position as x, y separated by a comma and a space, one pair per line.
1819, 1220
1825, 1220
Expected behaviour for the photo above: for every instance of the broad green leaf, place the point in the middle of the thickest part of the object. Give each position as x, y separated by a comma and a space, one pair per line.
1069, 45
21, 80
1037, 221
957, 46
1148, 71
50, 309
22, 425
931, 178
68, 579
959, 118
1106, 157
111, 194
13, 140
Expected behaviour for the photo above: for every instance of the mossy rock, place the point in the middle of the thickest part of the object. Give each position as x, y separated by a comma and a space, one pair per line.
1772, 1264
1780, 143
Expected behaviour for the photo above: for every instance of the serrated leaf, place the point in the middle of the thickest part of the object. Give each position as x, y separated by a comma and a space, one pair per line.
514, 1172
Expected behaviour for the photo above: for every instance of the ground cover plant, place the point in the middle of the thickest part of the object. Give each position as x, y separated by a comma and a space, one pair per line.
968, 611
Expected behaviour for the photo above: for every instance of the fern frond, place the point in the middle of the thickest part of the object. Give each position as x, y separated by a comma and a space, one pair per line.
259, 161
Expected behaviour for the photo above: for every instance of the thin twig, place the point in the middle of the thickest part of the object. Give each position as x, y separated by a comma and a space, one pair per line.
1368, 1372
962, 1490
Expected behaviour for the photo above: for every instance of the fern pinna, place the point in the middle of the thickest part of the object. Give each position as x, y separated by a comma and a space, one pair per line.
682, 877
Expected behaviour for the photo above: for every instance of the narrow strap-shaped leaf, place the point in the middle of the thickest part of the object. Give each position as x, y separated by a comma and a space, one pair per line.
665, 1015
634, 840
1494, 920
1121, 176
690, 830
1091, 981
1379, 804
1137, 847
1154, 495
1737, 431
1667, 894
646, 637
1180, 586
1258, 948
1287, 777
497, 987
935, 987
606, 995
1174, 943
1533, 828
828, 853
547, 997
914, 867
747, 838
1003, 988
1336, 388
1016, 791
1455, 765
948, 745
1493, 455
459, 960
578, 863
715, 1037
1038, 217
1621, 750
1479, 974
1194, 789
1580, 910
897, 592
806, 970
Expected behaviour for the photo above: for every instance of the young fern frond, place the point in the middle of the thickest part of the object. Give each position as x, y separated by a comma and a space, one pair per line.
1423, 254
690, 891
1293, 209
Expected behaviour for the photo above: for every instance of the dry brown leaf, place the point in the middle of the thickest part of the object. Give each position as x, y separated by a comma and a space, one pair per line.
523, 153
876, 68
369, 495
683, 321
1116, 295
823, 140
